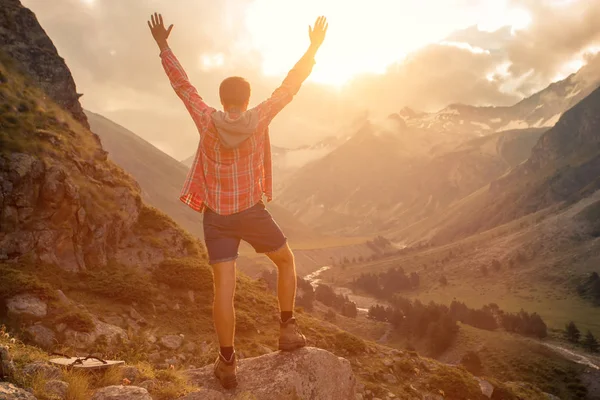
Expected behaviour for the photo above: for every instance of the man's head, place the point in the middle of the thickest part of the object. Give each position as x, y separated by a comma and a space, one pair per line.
235, 93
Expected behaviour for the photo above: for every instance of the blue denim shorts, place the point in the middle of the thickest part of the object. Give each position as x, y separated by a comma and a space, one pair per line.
223, 233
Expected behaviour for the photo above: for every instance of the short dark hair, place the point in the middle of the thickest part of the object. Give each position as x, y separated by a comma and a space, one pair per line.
234, 91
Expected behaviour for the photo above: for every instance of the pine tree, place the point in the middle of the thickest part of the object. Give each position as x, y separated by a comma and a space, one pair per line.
590, 342
572, 332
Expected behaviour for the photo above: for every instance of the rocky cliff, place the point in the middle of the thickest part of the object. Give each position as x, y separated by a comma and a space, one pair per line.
23, 39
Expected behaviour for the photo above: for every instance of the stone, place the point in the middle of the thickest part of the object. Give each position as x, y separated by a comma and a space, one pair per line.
121, 392
487, 389
56, 388
85, 340
189, 347
149, 384
389, 378
264, 349
27, 305
429, 396
307, 373
42, 369
191, 296
60, 327
171, 342
134, 314
42, 336
8, 391
130, 372
115, 320
62, 298
387, 362
206, 394
204, 347
154, 358
7, 366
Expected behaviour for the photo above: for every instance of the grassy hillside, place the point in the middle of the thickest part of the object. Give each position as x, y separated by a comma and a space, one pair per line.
541, 262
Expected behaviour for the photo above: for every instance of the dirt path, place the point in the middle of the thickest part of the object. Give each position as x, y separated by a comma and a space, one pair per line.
573, 356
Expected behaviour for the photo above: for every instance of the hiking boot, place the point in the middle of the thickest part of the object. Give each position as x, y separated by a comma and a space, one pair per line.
225, 371
290, 337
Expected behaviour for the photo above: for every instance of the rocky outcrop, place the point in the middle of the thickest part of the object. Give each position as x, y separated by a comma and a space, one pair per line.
23, 39
308, 373
8, 391
121, 393
27, 305
42, 336
45, 214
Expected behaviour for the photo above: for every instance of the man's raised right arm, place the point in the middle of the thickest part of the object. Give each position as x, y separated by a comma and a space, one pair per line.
284, 94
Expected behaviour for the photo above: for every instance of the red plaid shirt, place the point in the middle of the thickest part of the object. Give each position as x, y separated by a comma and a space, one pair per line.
230, 180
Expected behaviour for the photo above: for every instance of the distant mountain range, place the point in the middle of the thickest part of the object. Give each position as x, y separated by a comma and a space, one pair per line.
540, 110
399, 171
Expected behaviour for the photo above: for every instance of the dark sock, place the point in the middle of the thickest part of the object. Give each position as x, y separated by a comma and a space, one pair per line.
226, 352
286, 315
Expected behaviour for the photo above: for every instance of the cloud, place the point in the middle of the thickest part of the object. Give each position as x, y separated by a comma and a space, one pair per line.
115, 63
433, 77
558, 34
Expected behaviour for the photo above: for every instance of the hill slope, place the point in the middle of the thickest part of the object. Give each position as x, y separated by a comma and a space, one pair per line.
390, 176
564, 167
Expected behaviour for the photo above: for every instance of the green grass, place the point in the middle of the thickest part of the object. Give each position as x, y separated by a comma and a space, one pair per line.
455, 384
184, 273
119, 283
512, 358
15, 281
77, 320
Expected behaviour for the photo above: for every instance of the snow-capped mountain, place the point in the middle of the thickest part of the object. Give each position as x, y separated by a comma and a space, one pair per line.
540, 110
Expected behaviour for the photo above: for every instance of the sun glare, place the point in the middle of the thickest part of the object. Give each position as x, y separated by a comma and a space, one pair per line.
363, 39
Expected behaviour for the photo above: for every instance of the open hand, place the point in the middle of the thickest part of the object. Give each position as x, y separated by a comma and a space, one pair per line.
158, 30
317, 34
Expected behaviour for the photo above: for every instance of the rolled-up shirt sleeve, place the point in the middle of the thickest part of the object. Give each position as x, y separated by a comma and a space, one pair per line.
197, 108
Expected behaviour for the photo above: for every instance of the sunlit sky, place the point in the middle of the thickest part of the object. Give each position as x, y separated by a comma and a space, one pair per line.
378, 57
367, 36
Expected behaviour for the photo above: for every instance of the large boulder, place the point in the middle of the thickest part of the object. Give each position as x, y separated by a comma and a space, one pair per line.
26, 304
85, 340
42, 370
42, 336
8, 391
121, 393
308, 373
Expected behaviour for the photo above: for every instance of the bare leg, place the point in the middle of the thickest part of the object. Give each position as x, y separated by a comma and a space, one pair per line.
286, 277
223, 310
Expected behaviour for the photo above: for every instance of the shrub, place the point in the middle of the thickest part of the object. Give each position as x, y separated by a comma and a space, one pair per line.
455, 383
472, 363
76, 320
15, 281
184, 273
151, 219
119, 283
349, 342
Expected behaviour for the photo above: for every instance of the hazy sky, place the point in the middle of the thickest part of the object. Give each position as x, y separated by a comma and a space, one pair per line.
379, 56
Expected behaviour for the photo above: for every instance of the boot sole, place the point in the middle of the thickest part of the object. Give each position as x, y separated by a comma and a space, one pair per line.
291, 346
229, 382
